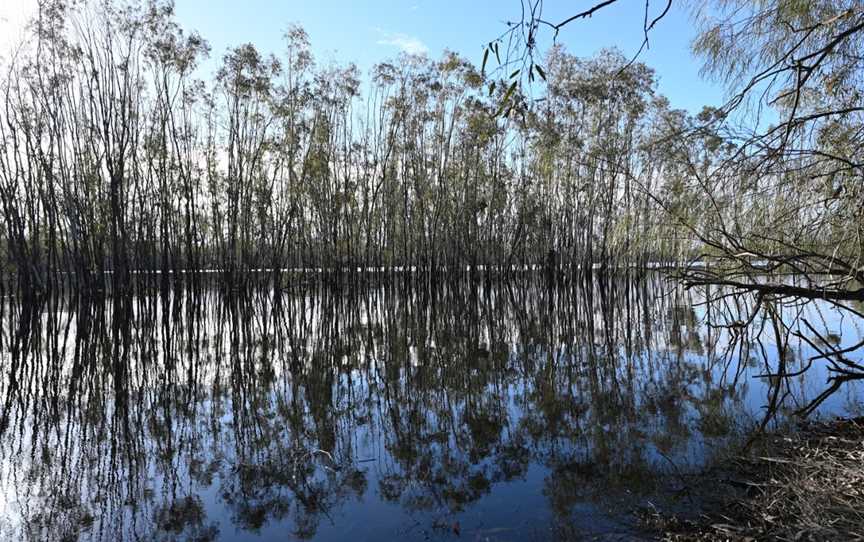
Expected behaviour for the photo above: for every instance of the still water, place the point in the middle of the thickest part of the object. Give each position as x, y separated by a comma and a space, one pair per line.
502, 411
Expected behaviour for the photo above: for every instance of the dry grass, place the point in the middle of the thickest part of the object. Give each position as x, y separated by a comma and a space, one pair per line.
804, 486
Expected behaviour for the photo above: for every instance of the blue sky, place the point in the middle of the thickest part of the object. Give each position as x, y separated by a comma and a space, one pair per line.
369, 31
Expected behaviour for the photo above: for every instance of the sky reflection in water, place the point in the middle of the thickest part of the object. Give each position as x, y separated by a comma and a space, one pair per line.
493, 411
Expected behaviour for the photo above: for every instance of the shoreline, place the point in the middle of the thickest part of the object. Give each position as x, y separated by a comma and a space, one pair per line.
804, 484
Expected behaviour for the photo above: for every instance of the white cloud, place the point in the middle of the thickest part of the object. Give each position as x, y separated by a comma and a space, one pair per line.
409, 44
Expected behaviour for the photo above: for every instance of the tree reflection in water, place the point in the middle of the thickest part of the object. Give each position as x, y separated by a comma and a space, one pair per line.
506, 409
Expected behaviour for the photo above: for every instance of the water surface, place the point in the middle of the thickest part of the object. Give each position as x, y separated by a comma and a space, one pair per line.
491, 411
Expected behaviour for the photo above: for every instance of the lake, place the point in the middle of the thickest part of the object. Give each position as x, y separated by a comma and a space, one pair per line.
487, 410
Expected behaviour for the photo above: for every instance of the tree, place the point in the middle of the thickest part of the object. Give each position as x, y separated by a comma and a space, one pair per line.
778, 168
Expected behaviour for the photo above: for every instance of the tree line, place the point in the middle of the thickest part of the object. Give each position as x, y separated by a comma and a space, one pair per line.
117, 157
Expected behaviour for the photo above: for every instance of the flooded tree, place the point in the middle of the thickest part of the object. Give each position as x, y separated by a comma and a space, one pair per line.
118, 159
765, 190
292, 296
